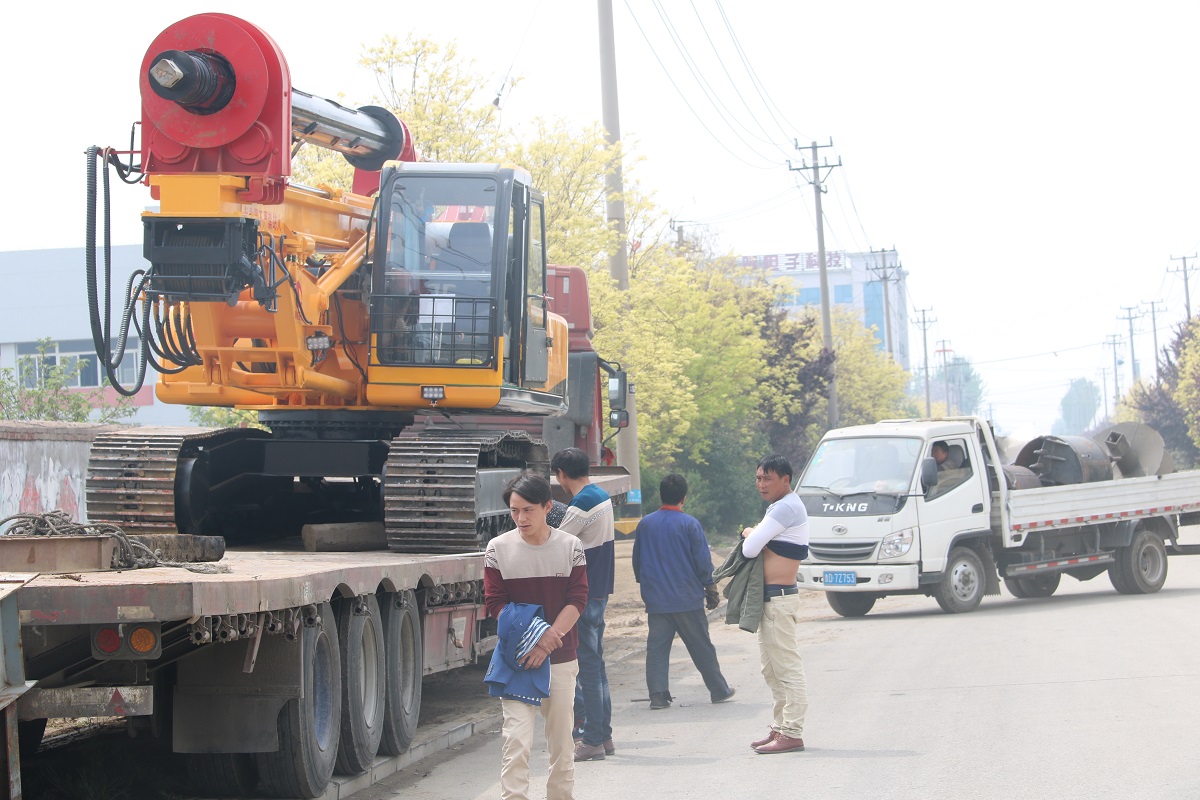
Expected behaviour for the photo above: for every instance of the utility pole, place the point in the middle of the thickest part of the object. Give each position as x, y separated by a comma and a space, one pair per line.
1132, 355
885, 276
1104, 389
1114, 342
826, 324
944, 349
1154, 332
618, 262
1187, 295
925, 323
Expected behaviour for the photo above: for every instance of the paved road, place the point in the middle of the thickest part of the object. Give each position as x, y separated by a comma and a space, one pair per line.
1086, 694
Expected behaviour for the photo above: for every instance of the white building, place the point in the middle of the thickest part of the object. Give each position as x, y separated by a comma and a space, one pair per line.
856, 280
46, 298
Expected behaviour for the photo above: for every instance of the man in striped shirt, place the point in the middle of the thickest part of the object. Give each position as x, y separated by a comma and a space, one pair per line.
590, 517
539, 565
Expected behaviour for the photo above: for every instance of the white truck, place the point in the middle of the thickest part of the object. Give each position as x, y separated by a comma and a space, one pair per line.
888, 518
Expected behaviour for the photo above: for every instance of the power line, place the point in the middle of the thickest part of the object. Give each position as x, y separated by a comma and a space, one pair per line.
1187, 295
727, 116
719, 140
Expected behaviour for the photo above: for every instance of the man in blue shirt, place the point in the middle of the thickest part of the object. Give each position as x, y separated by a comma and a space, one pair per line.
589, 516
673, 565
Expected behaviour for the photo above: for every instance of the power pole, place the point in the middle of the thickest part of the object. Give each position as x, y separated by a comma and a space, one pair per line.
618, 262
1114, 342
1187, 295
1154, 332
944, 349
1104, 389
826, 324
1132, 355
884, 277
925, 323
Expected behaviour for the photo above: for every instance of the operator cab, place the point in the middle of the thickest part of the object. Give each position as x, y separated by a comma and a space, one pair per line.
459, 274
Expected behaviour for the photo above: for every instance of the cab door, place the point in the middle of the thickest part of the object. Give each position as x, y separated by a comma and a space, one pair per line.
956, 504
536, 355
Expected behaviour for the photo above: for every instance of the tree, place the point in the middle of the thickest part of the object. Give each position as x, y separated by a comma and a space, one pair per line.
42, 387
966, 386
1078, 408
1164, 405
221, 417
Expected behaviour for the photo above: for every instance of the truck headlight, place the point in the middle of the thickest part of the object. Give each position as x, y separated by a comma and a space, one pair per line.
896, 544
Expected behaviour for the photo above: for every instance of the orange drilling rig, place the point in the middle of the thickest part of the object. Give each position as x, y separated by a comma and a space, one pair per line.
396, 340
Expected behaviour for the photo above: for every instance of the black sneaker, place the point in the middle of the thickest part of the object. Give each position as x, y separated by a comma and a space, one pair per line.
727, 697
660, 700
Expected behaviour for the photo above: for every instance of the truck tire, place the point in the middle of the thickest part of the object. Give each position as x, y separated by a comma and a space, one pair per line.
961, 588
851, 604
1015, 587
1117, 576
405, 666
309, 726
222, 774
1034, 586
1143, 564
360, 639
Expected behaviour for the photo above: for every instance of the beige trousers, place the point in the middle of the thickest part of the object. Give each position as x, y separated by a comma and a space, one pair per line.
779, 646
559, 712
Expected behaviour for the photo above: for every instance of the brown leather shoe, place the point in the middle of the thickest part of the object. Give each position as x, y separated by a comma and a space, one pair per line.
589, 752
782, 744
772, 736
610, 749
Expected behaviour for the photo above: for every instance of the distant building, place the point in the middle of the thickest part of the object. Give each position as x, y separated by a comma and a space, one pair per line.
45, 297
856, 280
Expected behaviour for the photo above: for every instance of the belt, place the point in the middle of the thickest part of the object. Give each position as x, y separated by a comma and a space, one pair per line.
779, 591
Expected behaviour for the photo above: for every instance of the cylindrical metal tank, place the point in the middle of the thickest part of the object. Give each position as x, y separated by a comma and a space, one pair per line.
1066, 460
1020, 477
1136, 449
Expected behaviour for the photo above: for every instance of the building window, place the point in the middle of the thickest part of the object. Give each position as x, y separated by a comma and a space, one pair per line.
843, 293
810, 297
71, 353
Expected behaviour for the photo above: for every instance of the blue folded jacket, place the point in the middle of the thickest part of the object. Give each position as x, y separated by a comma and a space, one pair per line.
519, 628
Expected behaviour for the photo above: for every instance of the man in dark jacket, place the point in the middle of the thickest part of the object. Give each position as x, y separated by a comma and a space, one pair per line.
673, 565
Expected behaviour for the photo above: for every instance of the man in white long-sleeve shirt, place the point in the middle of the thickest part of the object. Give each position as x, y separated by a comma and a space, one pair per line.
782, 539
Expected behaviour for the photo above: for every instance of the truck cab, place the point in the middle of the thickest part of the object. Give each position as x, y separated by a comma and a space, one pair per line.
889, 503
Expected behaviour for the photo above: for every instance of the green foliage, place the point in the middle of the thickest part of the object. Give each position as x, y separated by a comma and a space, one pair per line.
1077, 408
965, 385
42, 388
220, 417
1168, 405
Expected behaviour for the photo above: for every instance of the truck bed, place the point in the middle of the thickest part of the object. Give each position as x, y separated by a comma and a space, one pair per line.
1104, 501
258, 580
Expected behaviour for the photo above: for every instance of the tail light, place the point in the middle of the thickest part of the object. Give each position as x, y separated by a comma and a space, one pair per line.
140, 641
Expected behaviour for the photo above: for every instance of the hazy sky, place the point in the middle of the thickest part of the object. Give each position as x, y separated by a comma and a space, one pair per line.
1033, 163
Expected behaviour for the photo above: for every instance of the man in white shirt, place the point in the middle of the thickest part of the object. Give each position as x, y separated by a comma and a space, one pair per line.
782, 539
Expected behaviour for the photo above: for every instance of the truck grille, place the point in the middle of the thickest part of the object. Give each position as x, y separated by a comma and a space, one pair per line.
838, 552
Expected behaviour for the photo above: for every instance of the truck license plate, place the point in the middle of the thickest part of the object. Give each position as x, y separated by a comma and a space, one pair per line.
840, 579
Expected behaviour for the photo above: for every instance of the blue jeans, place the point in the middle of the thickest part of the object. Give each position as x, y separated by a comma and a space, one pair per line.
592, 702
692, 627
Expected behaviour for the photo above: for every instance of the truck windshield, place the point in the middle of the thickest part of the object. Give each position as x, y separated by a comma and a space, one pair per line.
848, 466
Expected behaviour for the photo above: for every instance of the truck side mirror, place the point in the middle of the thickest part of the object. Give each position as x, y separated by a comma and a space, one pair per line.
929, 474
618, 390
618, 419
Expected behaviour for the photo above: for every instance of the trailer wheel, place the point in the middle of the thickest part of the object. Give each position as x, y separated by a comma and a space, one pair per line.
1143, 564
360, 638
851, 604
222, 774
1034, 586
405, 665
961, 589
309, 726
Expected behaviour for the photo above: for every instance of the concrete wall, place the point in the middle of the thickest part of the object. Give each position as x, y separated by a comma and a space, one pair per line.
43, 466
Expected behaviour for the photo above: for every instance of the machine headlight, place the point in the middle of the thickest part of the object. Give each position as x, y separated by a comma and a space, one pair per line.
896, 544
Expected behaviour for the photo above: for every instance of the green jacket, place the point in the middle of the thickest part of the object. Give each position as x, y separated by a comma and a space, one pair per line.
745, 591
